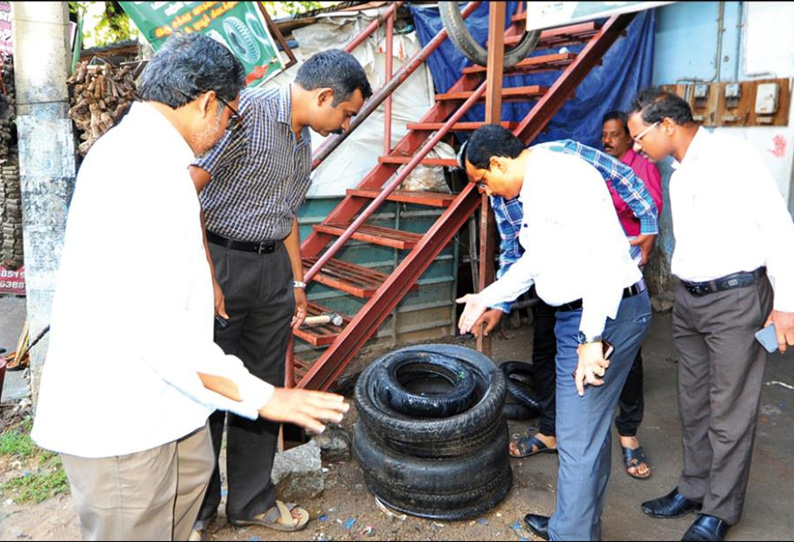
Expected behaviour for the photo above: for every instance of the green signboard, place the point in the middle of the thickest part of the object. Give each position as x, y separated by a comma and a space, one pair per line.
237, 25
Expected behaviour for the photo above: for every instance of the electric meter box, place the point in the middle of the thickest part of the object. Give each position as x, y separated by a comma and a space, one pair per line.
766, 98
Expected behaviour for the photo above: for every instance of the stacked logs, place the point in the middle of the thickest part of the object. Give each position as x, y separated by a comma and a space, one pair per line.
10, 197
101, 95
11, 204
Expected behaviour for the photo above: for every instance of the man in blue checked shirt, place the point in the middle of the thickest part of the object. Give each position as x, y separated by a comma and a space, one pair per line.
578, 258
509, 214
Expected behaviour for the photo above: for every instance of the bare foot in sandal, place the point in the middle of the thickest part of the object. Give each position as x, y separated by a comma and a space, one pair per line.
526, 443
637, 464
281, 517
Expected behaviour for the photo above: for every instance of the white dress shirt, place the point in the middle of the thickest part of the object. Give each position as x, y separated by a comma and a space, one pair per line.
574, 245
728, 216
132, 319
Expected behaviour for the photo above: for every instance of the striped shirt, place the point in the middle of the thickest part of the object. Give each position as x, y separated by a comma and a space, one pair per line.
260, 173
509, 214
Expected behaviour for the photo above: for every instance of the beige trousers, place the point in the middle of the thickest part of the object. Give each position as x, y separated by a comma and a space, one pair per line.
149, 495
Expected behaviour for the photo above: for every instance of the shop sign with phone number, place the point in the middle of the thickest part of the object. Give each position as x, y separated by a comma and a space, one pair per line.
12, 282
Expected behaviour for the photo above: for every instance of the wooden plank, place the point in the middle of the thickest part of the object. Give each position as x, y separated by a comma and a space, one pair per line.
532, 91
534, 63
431, 199
376, 235
458, 127
448, 162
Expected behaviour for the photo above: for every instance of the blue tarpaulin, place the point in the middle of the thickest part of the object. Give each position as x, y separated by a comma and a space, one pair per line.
626, 69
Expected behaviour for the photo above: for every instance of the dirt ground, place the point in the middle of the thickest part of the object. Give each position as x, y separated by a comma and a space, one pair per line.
347, 511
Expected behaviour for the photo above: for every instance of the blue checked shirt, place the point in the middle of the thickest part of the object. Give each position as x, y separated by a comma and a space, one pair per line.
260, 173
509, 213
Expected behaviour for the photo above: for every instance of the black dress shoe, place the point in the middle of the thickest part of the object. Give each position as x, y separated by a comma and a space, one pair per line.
706, 528
671, 505
539, 525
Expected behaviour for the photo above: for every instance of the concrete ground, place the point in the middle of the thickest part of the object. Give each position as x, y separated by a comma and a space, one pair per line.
767, 515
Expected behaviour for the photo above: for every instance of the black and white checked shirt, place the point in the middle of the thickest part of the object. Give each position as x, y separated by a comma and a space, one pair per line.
260, 175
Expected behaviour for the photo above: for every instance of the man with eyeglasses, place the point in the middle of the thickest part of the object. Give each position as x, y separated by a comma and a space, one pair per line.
629, 192
251, 185
733, 234
132, 372
577, 256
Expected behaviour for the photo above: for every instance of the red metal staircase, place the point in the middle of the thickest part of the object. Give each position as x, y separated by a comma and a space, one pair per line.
348, 220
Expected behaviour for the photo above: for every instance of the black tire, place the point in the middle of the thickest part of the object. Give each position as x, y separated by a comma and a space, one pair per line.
517, 412
433, 476
456, 488
516, 374
443, 437
401, 374
466, 44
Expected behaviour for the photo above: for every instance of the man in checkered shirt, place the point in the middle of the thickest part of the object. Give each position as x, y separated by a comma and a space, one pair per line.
251, 185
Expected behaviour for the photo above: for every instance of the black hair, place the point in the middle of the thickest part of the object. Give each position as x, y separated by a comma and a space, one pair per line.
187, 65
337, 70
488, 141
620, 116
655, 105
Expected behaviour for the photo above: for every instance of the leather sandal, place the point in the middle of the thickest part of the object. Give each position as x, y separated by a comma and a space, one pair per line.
525, 442
279, 518
633, 458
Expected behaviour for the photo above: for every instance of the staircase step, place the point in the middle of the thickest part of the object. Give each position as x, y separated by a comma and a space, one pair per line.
354, 279
532, 91
376, 235
532, 64
320, 335
431, 199
554, 37
300, 368
458, 127
448, 162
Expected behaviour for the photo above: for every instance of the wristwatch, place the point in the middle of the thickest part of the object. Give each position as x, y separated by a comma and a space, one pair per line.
298, 284
584, 339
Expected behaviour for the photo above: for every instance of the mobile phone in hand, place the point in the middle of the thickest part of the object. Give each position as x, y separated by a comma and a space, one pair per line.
768, 338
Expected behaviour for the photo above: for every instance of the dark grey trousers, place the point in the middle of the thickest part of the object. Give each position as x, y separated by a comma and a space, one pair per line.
260, 302
719, 390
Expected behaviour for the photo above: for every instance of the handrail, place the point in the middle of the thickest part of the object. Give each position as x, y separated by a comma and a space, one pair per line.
394, 183
386, 90
373, 26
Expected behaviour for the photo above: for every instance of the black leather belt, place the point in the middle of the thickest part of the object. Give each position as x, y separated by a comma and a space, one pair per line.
736, 280
264, 247
634, 289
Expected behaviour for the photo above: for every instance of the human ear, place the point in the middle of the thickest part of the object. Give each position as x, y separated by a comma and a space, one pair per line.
325, 95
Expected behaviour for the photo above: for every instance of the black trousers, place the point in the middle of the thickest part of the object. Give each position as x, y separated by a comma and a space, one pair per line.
260, 302
544, 350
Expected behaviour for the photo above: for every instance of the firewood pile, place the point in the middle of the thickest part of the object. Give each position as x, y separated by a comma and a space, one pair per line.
101, 94
11, 256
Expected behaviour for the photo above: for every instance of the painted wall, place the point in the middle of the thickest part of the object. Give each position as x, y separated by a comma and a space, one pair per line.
724, 42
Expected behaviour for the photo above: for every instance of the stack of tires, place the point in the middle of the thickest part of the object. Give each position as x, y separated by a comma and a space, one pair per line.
430, 437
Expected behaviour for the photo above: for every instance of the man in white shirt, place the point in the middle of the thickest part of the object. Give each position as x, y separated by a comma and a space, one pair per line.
733, 234
578, 257
132, 371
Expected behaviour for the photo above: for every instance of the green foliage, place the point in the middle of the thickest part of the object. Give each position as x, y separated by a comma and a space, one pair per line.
17, 442
38, 486
114, 26
44, 476
281, 9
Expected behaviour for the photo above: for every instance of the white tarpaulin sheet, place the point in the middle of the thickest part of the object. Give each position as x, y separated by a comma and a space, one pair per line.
358, 154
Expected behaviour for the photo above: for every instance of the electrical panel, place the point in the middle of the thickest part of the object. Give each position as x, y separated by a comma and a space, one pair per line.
738, 103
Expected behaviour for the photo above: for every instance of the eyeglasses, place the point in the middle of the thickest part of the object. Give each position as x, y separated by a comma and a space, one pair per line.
638, 137
462, 155
235, 120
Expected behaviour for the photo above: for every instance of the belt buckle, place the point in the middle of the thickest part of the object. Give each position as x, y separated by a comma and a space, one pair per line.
266, 247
